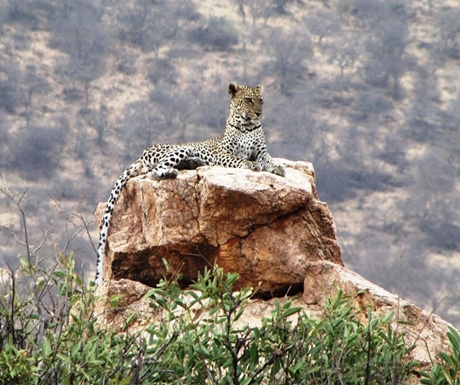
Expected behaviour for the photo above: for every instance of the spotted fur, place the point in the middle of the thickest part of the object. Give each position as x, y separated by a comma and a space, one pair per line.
243, 145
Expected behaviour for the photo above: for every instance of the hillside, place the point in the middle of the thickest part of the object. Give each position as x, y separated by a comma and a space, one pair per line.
367, 90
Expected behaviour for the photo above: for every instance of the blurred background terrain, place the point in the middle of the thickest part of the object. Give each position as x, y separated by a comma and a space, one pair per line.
367, 90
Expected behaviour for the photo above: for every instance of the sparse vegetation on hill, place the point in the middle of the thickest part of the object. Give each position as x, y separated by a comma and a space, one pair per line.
365, 89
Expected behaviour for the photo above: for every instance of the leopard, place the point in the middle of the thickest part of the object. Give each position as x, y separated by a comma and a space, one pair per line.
243, 145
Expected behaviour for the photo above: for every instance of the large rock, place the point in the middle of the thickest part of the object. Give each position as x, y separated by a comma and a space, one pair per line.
265, 227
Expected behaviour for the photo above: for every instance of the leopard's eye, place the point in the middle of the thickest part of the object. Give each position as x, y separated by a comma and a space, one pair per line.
249, 100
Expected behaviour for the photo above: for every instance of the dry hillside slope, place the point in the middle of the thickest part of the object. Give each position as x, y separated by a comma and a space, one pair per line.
367, 90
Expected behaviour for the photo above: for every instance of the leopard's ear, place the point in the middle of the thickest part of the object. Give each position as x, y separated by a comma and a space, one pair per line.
233, 89
260, 88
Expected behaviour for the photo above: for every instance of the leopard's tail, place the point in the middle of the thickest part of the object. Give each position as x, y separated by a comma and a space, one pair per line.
134, 170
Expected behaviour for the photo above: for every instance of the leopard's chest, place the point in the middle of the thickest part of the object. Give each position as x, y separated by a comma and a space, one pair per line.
243, 145
243, 150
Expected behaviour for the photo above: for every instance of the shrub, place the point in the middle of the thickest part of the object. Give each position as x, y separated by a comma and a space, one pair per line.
9, 99
288, 347
36, 154
448, 371
20, 12
218, 34
50, 336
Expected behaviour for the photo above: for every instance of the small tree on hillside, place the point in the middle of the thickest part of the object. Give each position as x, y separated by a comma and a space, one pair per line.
31, 85
36, 155
288, 53
386, 44
449, 28
152, 25
323, 24
83, 37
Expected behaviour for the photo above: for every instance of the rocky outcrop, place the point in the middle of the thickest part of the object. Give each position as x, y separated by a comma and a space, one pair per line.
265, 227
273, 231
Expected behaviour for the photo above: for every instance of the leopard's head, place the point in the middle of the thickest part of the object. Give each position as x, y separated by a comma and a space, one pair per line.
246, 104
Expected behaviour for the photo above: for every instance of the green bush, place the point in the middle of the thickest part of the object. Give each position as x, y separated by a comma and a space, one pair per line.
448, 373
288, 347
50, 336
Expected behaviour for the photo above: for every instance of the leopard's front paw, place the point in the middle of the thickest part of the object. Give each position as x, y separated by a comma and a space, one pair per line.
163, 173
276, 169
191, 163
254, 166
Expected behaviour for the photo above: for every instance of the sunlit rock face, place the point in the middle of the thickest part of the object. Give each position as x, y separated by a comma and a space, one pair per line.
265, 227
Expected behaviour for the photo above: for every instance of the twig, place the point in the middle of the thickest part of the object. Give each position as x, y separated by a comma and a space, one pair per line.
5, 191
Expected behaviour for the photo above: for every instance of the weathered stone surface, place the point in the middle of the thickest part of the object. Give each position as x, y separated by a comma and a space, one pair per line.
265, 227
427, 331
